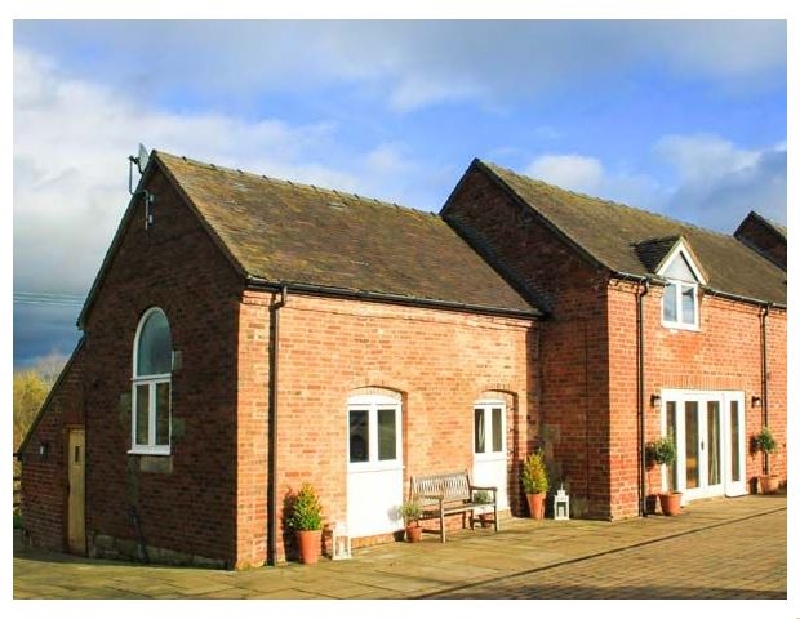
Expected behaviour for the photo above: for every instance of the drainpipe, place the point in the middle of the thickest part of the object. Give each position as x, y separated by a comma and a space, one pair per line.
764, 370
640, 293
272, 429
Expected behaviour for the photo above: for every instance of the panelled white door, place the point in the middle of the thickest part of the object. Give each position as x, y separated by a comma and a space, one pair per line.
374, 465
490, 467
708, 427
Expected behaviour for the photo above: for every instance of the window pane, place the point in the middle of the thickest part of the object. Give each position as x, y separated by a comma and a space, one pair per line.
155, 346
497, 430
672, 430
142, 413
713, 453
480, 432
692, 444
670, 303
687, 304
359, 436
387, 435
736, 474
162, 414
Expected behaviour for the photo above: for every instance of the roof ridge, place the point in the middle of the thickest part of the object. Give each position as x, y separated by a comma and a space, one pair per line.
608, 202
337, 193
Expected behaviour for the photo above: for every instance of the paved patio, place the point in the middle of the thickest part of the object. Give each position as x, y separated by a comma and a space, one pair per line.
716, 549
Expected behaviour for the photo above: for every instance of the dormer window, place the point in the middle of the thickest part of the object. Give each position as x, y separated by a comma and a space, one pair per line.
680, 307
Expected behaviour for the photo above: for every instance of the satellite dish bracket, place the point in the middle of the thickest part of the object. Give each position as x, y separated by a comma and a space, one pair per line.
149, 198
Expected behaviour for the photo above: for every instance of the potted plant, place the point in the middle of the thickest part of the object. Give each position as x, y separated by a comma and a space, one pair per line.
535, 483
766, 444
306, 521
663, 451
411, 511
482, 498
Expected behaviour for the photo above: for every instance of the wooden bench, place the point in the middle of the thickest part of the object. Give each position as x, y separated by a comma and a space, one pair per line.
450, 493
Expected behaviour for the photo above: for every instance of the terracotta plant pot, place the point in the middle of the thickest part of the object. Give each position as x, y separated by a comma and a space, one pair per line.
769, 483
536, 505
309, 543
413, 533
670, 503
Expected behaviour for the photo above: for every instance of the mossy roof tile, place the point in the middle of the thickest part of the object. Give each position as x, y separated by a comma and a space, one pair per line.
289, 232
625, 239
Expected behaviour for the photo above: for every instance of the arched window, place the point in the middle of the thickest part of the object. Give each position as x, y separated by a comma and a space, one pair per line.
152, 375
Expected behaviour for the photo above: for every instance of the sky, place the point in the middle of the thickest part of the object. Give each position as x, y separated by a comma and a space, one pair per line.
683, 117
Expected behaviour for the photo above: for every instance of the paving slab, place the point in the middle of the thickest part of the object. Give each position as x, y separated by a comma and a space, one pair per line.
716, 549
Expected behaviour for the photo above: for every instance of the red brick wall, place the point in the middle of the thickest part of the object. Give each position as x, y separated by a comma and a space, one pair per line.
724, 355
574, 396
44, 480
174, 265
439, 362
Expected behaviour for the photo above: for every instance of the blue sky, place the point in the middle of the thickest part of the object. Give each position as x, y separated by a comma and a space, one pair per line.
686, 118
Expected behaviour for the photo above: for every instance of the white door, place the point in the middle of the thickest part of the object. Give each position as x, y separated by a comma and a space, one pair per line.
709, 435
374, 465
490, 466
734, 463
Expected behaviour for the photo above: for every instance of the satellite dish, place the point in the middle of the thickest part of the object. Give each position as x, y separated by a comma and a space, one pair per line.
141, 160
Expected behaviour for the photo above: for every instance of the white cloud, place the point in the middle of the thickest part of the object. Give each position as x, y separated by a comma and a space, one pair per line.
575, 172
413, 64
719, 183
716, 182
72, 139
700, 158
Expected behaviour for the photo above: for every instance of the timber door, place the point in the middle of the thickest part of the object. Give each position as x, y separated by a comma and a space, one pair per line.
76, 458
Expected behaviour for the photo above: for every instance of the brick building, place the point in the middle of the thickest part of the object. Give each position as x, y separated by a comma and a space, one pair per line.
245, 335
655, 326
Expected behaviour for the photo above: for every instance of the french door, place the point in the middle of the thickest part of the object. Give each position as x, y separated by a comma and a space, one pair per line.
708, 427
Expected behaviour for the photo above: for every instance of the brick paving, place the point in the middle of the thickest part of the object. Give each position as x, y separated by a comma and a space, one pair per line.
724, 549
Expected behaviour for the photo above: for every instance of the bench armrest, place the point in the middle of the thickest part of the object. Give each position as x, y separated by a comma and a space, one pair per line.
483, 488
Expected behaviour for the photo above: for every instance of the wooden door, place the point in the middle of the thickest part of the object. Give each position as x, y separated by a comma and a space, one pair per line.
76, 457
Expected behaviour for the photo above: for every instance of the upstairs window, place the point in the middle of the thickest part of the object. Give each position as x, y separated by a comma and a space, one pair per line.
152, 383
680, 308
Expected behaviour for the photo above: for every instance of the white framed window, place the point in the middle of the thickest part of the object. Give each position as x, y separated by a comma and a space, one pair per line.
680, 305
151, 425
374, 433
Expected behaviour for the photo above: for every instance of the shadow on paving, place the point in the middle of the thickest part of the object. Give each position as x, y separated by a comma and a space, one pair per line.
555, 592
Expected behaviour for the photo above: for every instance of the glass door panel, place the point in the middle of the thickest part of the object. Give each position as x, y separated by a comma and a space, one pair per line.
713, 464
692, 444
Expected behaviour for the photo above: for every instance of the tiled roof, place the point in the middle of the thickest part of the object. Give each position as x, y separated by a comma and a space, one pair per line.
282, 231
617, 236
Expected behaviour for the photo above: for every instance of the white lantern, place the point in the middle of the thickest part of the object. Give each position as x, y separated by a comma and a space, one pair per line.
341, 542
561, 504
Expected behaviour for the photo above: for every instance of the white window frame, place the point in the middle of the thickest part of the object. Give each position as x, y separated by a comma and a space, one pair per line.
679, 323
680, 252
151, 380
488, 453
372, 404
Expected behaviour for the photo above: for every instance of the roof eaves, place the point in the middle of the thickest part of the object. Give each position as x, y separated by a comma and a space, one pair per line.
50, 395
258, 283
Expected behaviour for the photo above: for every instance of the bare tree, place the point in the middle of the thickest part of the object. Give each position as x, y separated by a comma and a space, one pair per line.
50, 366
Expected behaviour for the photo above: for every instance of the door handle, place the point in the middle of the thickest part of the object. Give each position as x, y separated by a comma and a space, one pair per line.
702, 444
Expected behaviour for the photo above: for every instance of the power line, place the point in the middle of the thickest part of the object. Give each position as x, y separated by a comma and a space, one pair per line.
47, 298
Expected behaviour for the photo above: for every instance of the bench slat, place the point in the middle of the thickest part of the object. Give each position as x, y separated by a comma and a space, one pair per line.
450, 493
